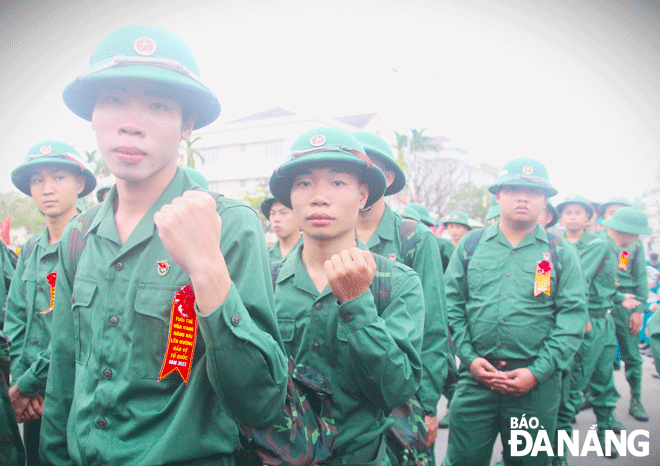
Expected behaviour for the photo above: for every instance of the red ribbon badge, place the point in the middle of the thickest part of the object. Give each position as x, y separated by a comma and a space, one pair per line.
623, 260
543, 277
52, 279
183, 335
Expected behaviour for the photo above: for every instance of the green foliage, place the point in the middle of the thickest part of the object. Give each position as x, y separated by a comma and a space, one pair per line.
23, 211
473, 200
191, 153
96, 163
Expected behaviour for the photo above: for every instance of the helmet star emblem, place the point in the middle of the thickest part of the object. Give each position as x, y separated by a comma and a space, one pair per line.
317, 140
144, 46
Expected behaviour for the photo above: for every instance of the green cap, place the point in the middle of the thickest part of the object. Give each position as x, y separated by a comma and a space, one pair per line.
423, 213
524, 172
629, 220
149, 54
409, 213
494, 210
620, 200
266, 205
555, 215
379, 150
49, 153
576, 199
323, 148
458, 217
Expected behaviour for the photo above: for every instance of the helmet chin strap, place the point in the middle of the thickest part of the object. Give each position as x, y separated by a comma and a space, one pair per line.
366, 209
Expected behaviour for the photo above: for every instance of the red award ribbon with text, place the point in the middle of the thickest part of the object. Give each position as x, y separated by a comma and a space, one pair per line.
623, 260
182, 337
52, 279
543, 277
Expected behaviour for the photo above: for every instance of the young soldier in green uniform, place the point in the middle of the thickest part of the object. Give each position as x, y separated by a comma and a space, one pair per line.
327, 314
613, 204
54, 175
623, 229
445, 245
284, 225
379, 227
457, 225
593, 361
517, 310
164, 334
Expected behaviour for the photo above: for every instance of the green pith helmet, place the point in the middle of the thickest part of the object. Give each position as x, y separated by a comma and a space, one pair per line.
458, 217
323, 148
197, 177
494, 210
423, 213
576, 199
524, 172
49, 153
629, 220
266, 205
379, 150
612, 201
555, 215
102, 192
148, 54
409, 213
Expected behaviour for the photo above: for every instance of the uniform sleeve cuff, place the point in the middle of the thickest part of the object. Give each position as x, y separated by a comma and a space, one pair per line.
29, 385
357, 313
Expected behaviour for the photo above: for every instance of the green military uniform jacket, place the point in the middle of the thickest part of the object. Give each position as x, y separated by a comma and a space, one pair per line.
28, 321
446, 250
110, 327
8, 265
372, 361
633, 279
12, 452
494, 314
425, 260
598, 266
274, 252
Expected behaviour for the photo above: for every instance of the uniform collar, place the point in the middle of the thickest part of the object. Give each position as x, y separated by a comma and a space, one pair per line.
386, 228
537, 234
104, 222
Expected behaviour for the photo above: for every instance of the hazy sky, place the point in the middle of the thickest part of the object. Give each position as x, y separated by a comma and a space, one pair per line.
574, 84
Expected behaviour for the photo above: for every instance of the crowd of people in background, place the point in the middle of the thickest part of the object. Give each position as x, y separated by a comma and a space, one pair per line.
159, 327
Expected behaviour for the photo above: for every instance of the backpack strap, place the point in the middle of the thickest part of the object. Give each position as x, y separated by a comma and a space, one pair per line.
472, 239
27, 249
275, 271
408, 241
78, 234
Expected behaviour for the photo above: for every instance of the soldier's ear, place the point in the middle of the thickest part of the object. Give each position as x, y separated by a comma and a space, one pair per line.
364, 194
187, 127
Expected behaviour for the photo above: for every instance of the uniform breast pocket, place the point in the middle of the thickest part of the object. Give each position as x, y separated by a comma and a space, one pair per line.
84, 293
287, 329
482, 273
153, 310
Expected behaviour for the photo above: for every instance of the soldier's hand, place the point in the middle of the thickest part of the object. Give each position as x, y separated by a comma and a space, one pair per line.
350, 273
630, 301
587, 327
520, 381
486, 373
635, 322
190, 229
26, 408
431, 429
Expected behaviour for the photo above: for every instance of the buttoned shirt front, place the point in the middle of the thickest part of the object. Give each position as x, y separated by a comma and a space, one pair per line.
371, 359
111, 326
493, 310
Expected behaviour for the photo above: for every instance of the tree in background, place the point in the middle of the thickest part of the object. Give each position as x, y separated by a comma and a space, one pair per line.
192, 152
431, 175
23, 212
471, 199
